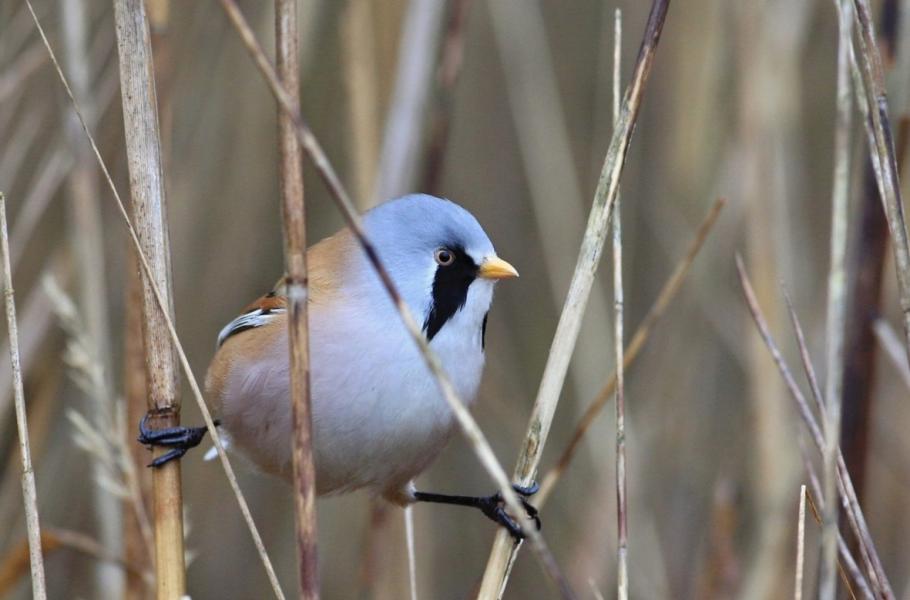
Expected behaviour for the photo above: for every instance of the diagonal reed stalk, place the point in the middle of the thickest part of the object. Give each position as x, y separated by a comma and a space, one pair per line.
567, 330
631, 352
290, 169
622, 517
848, 499
29, 493
882, 153
836, 309
168, 322
468, 425
849, 570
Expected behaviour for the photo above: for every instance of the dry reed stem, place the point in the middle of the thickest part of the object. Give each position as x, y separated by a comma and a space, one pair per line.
622, 517
881, 148
847, 565
149, 204
632, 351
467, 423
399, 157
290, 174
820, 407
866, 265
845, 487
800, 544
504, 551
29, 493
849, 500
836, 309
175, 339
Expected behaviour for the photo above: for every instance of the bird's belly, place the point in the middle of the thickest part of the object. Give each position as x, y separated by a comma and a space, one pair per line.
375, 426
383, 427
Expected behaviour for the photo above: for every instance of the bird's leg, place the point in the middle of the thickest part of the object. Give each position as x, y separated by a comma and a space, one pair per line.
492, 506
178, 439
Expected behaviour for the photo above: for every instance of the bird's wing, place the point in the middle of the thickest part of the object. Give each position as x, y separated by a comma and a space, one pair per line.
327, 261
260, 312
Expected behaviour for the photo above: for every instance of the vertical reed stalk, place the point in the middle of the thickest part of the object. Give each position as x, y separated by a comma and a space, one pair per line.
29, 493
140, 119
294, 219
836, 311
504, 551
622, 567
163, 303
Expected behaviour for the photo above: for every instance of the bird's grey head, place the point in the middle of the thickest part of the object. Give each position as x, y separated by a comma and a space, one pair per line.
439, 257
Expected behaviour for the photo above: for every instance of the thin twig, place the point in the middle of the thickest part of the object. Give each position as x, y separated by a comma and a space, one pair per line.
632, 351
622, 547
847, 564
881, 148
845, 487
800, 544
293, 213
29, 493
567, 330
468, 425
866, 258
172, 331
836, 309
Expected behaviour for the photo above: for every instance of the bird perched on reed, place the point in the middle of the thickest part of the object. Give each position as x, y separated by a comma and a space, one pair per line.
378, 416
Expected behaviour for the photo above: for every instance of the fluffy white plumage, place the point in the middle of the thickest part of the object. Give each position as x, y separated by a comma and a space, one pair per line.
378, 416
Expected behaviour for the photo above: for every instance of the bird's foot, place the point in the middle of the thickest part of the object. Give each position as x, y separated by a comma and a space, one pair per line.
493, 506
178, 439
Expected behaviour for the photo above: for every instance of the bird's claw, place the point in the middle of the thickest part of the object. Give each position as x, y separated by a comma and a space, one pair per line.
178, 439
494, 508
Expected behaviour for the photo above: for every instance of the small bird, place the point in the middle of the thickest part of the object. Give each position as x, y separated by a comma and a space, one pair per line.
378, 416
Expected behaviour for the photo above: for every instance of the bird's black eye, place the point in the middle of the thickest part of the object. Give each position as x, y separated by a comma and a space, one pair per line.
444, 256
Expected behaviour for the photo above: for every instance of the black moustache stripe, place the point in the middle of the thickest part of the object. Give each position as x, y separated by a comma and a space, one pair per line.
450, 290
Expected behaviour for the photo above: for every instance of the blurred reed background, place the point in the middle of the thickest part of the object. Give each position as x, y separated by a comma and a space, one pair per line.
741, 104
